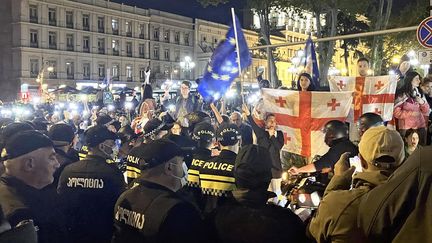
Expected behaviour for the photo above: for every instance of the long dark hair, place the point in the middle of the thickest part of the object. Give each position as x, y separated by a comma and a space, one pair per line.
311, 85
407, 88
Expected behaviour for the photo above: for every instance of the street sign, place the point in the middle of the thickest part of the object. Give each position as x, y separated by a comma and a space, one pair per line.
424, 33
425, 57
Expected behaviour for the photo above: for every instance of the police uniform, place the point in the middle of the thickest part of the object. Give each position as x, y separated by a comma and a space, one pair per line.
88, 190
150, 212
216, 176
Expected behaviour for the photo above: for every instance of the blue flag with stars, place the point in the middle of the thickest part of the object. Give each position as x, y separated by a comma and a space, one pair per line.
311, 63
223, 67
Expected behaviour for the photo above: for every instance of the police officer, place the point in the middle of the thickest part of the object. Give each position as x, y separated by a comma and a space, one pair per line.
30, 163
217, 175
90, 187
154, 129
151, 211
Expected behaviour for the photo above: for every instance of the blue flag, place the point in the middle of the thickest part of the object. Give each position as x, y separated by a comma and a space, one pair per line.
311, 63
223, 67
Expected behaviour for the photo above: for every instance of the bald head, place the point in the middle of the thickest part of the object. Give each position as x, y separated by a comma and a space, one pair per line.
236, 118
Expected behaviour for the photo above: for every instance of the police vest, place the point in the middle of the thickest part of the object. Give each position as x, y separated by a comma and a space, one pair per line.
198, 160
133, 169
216, 177
143, 209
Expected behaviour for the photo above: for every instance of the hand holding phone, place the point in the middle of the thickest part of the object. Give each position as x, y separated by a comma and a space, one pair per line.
356, 162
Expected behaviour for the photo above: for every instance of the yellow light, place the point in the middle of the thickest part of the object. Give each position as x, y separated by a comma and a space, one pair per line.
38, 80
44, 86
370, 72
50, 69
396, 60
344, 71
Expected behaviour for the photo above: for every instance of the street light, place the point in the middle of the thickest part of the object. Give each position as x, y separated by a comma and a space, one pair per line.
187, 64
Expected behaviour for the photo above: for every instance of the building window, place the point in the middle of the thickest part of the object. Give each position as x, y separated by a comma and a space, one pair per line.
115, 26
101, 24
177, 37
167, 36
69, 70
129, 49
34, 68
115, 72
33, 14
69, 19
156, 52
86, 70
52, 40
52, 17
101, 45
101, 71
142, 74
177, 56
167, 54
156, 33
69, 42
142, 31
186, 39
115, 47
141, 49
129, 73
86, 44
33, 38
86, 22
128, 29
53, 73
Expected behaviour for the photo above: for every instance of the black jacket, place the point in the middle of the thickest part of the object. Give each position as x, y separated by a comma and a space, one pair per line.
150, 212
252, 220
339, 146
246, 134
22, 202
88, 190
272, 144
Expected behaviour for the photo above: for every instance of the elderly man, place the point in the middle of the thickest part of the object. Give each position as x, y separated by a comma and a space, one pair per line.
30, 163
245, 129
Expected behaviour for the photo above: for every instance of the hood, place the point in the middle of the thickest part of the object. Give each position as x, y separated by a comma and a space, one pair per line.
370, 178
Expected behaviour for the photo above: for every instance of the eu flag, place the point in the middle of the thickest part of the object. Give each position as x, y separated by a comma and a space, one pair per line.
223, 67
311, 64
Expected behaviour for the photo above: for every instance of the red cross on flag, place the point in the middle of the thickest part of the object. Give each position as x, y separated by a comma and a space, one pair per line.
301, 116
372, 94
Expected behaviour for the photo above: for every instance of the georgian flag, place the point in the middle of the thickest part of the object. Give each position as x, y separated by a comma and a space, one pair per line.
301, 117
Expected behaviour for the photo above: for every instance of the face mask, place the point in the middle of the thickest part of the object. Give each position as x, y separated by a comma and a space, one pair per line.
183, 179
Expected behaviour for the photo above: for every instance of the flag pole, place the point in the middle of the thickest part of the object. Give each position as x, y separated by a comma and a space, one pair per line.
238, 52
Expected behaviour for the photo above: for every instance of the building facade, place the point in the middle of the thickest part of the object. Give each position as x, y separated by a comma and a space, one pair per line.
82, 42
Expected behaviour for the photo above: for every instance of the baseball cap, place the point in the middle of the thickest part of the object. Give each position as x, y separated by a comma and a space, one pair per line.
61, 134
203, 131
154, 153
228, 134
253, 167
25, 142
155, 125
103, 119
378, 142
98, 134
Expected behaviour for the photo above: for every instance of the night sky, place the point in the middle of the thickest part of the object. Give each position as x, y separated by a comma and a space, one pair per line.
191, 8
220, 14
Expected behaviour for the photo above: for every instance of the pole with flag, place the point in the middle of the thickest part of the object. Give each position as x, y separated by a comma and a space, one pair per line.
238, 53
230, 57
311, 63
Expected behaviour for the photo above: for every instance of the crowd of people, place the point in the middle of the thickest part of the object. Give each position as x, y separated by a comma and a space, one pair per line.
204, 173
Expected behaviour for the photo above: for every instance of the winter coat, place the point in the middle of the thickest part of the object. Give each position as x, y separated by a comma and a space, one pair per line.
410, 113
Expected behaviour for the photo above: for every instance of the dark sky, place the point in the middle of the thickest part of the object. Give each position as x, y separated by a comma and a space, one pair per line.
191, 8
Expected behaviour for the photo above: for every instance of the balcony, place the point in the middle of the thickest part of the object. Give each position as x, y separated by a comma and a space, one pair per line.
86, 77
86, 49
116, 53
129, 54
34, 44
34, 19
53, 46
86, 27
101, 78
69, 25
101, 51
115, 31
101, 30
52, 75
70, 76
116, 78
141, 55
70, 48
141, 36
129, 34
129, 79
52, 22
33, 74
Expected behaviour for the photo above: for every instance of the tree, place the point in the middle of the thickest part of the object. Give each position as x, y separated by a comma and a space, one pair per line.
262, 8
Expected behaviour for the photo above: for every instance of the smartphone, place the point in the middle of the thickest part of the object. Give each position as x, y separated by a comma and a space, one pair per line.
355, 161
